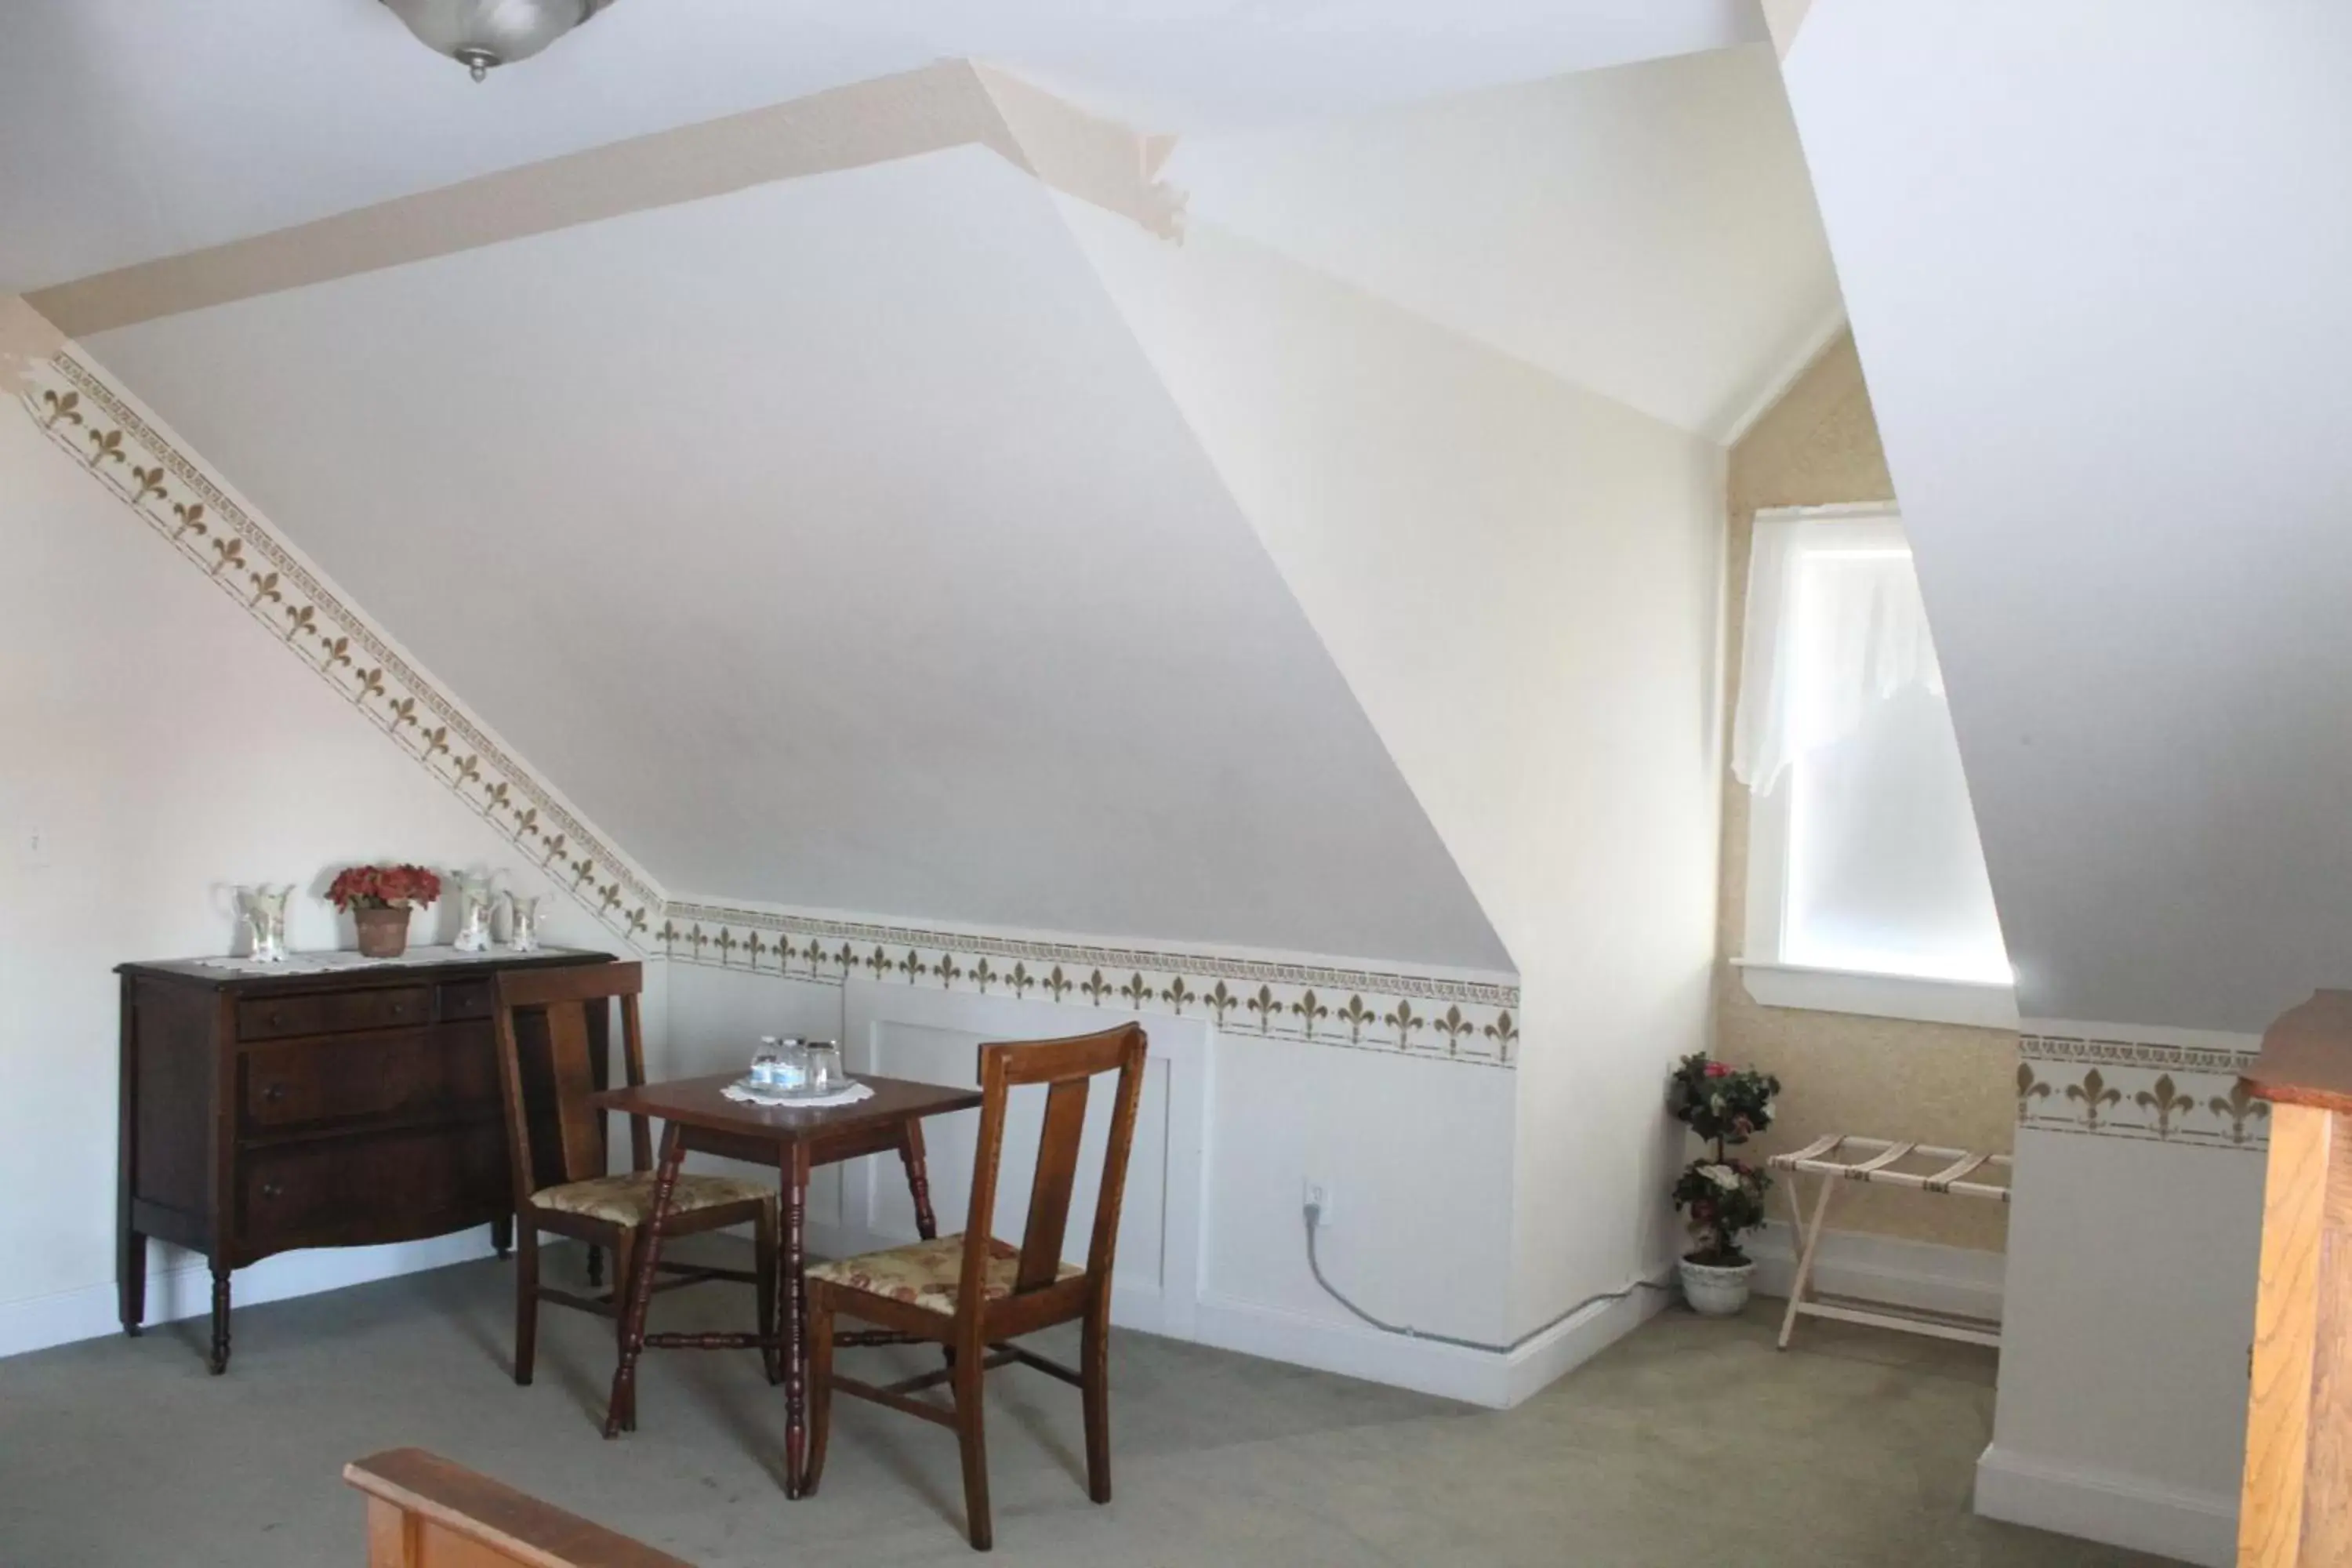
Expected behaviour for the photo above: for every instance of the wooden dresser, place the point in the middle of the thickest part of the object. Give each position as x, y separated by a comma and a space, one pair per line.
264, 1112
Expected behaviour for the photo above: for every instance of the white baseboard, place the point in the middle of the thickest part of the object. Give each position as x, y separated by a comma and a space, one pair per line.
2120, 1510
1425, 1366
1494, 1378
1921, 1275
1565, 1346
183, 1290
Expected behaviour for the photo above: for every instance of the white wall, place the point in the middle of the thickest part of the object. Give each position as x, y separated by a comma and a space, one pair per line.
1521, 581
167, 747
1416, 1153
2129, 1318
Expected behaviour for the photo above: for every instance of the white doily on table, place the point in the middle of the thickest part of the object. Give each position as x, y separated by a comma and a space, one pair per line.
745, 1091
334, 961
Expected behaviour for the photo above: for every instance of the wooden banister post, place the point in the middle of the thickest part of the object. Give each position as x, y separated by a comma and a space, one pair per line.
2295, 1505
424, 1511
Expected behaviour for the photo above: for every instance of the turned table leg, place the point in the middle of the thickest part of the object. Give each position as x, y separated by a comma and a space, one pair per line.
795, 1307
918, 1186
919, 1179
621, 1409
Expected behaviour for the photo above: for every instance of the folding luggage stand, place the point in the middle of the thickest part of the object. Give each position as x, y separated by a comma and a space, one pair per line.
1878, 1158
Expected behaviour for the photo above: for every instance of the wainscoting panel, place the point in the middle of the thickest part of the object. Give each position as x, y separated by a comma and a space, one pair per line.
936, 1036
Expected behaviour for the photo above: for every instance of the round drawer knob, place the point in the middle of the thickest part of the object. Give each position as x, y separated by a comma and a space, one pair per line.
395, 1009
274, 1093
276, 1020
270, 1189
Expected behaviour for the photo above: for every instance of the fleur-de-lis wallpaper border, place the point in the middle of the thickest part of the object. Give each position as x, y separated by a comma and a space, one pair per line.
2135, 1088
245, 559
1413, 1015
1417, 1014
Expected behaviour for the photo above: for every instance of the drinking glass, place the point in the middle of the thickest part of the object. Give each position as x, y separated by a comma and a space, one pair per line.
765, 1061
826, 1073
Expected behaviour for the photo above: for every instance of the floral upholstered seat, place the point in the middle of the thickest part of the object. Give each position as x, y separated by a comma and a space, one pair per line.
928, 1274
628, 1199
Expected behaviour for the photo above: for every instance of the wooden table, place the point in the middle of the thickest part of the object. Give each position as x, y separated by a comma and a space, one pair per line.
696, 1116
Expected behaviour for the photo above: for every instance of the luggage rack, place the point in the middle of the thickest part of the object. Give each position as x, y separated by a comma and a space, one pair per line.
1952, 1173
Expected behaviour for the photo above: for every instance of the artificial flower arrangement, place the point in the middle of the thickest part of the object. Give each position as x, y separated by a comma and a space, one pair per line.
1723, 1196
380, 898
383, 887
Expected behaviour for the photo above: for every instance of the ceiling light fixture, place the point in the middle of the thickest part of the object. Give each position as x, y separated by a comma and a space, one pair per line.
479, 33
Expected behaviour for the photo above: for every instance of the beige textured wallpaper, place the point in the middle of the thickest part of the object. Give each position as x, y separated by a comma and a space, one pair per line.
1935, 1082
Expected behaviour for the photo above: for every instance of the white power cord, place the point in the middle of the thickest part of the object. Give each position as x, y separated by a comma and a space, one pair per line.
1313, 1213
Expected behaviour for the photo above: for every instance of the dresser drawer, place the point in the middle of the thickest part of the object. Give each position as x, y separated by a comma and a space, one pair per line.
451, 1071
466, 999
384, 1187
334, 1011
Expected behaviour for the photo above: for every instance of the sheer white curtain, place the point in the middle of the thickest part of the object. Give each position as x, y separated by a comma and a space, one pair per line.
1834, 627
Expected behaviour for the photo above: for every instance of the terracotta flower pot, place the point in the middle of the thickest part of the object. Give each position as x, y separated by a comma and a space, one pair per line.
384, 933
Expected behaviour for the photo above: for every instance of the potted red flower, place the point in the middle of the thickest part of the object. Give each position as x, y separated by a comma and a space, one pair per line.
380, 898
1723, 1196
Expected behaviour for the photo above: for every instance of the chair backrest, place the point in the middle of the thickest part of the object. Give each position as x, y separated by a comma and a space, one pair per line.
1068, 1066
548, 1045
426, 1512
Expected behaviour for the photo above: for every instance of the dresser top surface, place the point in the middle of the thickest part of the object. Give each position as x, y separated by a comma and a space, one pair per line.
314, 970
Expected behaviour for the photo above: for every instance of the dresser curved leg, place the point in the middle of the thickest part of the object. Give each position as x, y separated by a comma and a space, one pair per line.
219, 1361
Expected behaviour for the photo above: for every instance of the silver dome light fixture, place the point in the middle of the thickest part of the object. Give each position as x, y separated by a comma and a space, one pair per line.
480, 34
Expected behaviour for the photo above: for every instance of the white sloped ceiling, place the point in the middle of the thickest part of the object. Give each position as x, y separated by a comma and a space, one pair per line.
137, 130
832, 543
1645, 232
2097, 268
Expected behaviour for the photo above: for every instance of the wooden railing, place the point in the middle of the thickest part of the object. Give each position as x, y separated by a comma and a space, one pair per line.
2296, 1507
426, 1512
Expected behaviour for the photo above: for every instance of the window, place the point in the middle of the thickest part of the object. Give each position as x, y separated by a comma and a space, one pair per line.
1866, 886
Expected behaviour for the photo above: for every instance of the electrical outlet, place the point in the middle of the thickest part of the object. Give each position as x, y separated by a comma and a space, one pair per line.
1317, 1196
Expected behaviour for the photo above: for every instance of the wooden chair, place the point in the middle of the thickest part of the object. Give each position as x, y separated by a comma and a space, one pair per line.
972, 1292
547, 1065
426, 1513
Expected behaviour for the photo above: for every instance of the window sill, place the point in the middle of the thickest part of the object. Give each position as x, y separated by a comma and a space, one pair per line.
1975, 1004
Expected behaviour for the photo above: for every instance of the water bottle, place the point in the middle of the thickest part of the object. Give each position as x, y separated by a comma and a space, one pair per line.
766, 1061
792, 1066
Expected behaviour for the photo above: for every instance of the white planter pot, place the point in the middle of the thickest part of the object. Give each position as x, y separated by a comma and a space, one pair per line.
1715, 1292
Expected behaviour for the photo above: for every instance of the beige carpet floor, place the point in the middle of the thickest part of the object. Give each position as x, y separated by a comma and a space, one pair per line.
1689, 1442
